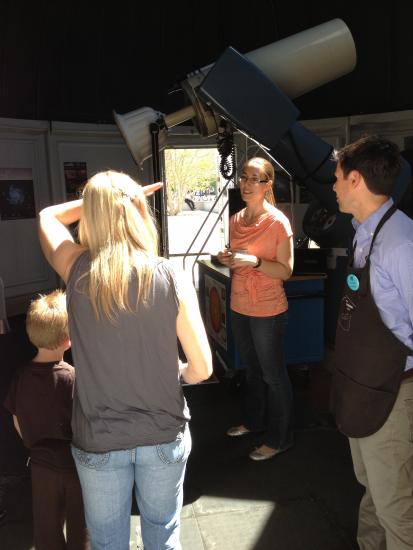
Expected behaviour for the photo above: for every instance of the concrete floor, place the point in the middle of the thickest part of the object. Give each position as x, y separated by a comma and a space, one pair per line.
304, 499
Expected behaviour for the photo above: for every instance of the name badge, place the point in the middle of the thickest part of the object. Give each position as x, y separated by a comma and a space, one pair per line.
352, 282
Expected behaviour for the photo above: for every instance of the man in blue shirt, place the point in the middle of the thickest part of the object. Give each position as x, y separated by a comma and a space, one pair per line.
372, 385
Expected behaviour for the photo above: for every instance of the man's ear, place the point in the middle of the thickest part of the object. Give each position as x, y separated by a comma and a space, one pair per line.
355, 178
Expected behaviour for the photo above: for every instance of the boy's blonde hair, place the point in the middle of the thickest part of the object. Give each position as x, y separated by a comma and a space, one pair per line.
46, 321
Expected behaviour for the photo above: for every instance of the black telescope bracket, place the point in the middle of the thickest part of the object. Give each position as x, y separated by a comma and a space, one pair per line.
159, 201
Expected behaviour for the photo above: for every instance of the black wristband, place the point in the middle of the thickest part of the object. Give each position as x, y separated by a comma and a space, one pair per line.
257, 265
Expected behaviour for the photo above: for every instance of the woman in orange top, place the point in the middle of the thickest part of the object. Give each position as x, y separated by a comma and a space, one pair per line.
261, 258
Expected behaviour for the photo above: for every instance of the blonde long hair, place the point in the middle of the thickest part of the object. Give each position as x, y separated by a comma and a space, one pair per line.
267, 170
120, 234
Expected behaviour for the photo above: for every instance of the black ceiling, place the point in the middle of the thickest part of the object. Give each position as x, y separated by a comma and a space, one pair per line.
76, 61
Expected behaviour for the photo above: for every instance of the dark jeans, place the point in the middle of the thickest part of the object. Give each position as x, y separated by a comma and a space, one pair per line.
260, 343
190, 203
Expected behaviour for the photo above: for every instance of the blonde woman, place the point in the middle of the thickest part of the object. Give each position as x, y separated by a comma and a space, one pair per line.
261, 258
126, 309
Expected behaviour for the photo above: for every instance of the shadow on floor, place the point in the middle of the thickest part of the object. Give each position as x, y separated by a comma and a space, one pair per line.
304, 499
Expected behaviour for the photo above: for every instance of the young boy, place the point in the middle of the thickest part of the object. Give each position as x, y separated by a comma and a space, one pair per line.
40, 399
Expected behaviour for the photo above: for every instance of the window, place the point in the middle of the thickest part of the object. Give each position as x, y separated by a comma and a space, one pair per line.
193, 184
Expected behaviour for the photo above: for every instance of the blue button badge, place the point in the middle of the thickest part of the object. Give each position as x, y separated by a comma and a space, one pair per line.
352, 282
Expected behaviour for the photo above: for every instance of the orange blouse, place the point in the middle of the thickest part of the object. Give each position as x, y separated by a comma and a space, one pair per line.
252, 292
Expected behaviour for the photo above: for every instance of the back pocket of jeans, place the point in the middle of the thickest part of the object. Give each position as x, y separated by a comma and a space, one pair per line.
94, 461
175, 451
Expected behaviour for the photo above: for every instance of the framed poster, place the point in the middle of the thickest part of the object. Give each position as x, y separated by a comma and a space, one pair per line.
283, 189
75, 178
16, 194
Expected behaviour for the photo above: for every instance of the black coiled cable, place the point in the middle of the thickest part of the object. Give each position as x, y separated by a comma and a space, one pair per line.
226, 150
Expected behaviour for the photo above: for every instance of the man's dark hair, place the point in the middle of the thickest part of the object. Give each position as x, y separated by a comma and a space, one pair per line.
377, 159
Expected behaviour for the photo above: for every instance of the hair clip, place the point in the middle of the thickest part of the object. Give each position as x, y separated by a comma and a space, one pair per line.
127, 195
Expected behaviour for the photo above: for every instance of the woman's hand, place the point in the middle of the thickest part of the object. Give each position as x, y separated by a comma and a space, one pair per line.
236, 258
151, 188
242, 259
224, 256
140, 199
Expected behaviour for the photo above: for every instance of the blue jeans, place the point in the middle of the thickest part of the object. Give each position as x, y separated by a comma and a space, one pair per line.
157, 473
268, 403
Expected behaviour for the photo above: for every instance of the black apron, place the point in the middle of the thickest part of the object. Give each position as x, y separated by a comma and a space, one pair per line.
369, 358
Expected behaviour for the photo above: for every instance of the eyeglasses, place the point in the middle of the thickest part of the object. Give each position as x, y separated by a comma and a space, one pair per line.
252, 179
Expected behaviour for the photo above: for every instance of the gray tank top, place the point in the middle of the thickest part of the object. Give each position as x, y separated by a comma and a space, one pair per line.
127, 390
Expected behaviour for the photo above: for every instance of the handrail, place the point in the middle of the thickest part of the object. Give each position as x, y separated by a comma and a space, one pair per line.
206, 240
204, 222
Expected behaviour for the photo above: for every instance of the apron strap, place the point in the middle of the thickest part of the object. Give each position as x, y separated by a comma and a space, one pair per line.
365, 281
384, 219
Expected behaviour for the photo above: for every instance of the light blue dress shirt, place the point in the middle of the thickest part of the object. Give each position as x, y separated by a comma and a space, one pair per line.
391, 269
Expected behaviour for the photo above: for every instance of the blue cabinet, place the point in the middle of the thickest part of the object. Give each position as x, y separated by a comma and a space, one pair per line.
305, 329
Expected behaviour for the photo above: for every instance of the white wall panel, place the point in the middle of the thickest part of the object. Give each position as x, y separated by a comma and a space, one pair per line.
44, 148
22, 266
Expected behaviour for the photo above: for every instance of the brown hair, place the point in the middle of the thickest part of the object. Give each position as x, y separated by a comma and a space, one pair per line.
46, 321
267, 170
377, 159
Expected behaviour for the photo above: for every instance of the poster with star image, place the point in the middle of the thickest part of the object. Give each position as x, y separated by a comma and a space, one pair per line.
16, 194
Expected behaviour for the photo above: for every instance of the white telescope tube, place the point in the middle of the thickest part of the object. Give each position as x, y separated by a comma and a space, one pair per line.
309, 59
297, 65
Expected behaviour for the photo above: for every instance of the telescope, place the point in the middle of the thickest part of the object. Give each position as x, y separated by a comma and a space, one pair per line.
294, 65
254, 92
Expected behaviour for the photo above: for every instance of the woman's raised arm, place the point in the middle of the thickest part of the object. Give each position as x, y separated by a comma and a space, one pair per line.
56, 240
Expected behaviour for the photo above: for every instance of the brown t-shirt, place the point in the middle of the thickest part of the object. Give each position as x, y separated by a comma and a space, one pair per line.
40, 395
